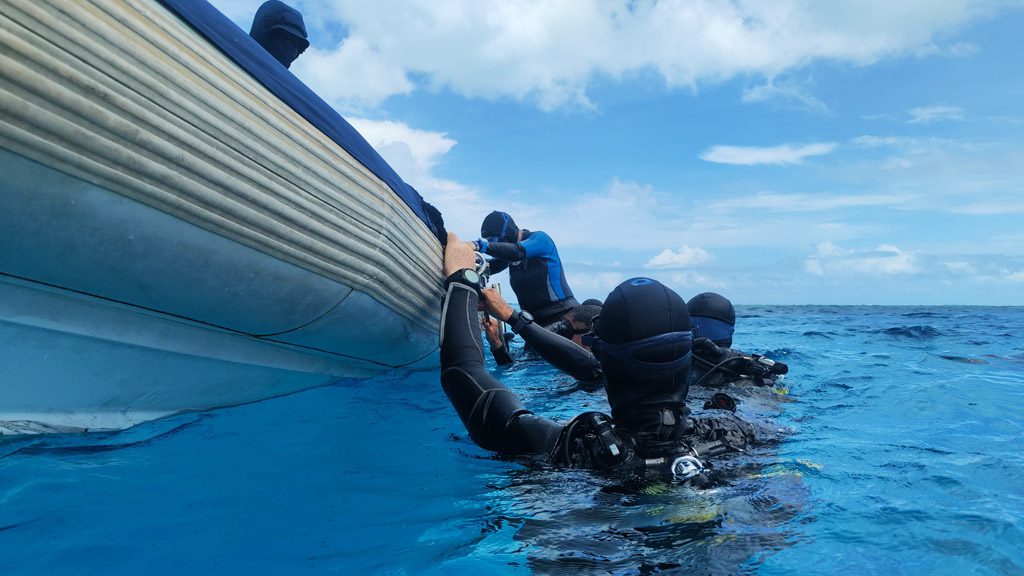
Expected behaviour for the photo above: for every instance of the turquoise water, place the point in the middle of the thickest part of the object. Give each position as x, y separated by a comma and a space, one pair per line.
897, 450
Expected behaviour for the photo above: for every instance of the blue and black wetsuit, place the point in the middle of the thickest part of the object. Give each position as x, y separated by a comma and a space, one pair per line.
536, 275
497, 420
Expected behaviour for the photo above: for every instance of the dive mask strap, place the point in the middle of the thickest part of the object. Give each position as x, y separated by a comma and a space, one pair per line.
627, 352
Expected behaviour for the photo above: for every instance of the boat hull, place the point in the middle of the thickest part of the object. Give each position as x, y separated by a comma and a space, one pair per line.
173, 237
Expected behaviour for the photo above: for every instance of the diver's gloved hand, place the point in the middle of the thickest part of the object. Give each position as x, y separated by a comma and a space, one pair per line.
708, 350
768, 366
480, 245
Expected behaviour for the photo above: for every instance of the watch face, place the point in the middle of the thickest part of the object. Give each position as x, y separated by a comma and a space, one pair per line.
471, 276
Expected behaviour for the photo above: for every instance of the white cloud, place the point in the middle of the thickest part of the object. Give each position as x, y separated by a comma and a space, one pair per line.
547, 52
686, 256
626, 215
423, 148
959, 266
930, 114
956, 50
769, 201
691, 281
829, 259
772, 89
777, 155
992, 207
353, 74
869, 141
1015, 276
595, 284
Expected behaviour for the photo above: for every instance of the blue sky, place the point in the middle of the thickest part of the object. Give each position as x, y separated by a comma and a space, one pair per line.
784, 152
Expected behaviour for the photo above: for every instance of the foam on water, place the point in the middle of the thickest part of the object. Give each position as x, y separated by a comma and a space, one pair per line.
895, 448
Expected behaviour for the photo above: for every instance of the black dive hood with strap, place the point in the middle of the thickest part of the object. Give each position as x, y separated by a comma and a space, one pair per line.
713, 317
499, 227
643, 341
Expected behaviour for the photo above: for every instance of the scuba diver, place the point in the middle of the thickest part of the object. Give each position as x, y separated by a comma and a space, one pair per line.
571, 355
576, 323
280, 30
534, 268
715, 362
642, 341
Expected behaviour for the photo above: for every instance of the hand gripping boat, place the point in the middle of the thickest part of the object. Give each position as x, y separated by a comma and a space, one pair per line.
184, 225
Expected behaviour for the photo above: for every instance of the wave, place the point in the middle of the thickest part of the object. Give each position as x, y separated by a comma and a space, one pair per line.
924, 315
963, 359
918, 332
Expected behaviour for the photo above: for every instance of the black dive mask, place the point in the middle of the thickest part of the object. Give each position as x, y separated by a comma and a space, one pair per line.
627, 353
713, 329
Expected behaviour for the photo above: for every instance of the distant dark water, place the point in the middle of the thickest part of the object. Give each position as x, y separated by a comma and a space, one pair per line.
897, 449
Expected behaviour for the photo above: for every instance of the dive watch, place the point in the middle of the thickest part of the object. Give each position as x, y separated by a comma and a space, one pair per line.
519, 320
467, 277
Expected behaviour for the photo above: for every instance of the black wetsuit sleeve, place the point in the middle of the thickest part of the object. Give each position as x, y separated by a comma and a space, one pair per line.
508, 251
502, 357
493, 415
718, 365
496, 265
562, 353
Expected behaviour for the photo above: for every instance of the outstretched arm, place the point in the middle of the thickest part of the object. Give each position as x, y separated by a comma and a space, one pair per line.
539, 244
493, 415
497, 265
505, 251
559, 351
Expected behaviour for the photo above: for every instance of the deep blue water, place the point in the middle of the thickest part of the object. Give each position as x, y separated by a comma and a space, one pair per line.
897, 447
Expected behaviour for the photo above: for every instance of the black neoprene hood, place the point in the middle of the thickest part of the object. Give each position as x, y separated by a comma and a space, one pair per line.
276, 15
501, 225
711, 305
640, 308
637, 310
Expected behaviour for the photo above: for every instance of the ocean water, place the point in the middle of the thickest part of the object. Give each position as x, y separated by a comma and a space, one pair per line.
895, 446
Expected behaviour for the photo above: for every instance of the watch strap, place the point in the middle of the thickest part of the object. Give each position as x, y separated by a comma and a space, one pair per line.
459, 277
519, 320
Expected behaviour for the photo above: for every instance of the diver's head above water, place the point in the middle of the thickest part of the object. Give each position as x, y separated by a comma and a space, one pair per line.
713, 317
642, 339
577, 322
280, 30
499, 227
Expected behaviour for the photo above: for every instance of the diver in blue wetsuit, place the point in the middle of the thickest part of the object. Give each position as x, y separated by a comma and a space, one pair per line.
642, 341
535, 270
715, 362
280, 30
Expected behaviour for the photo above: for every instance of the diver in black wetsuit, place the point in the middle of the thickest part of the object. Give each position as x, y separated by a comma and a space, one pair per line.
642, 341
534, 267
715, 362
548, 342
576, 323
280, 30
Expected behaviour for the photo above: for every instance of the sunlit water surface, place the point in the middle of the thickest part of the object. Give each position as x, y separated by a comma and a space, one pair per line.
896, 446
